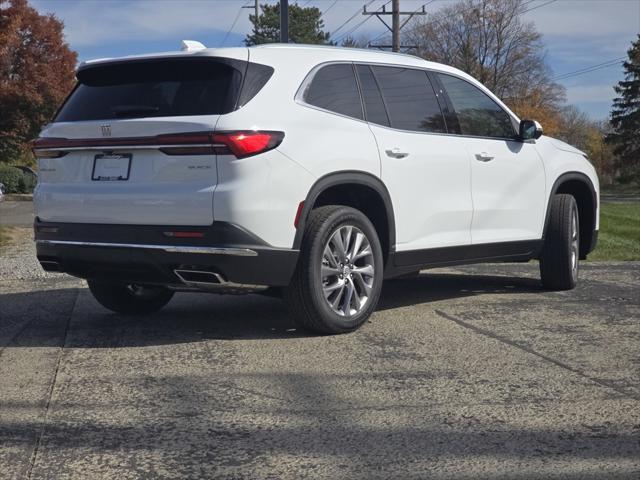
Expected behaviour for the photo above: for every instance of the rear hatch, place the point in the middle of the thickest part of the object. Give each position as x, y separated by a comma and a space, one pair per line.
133, 142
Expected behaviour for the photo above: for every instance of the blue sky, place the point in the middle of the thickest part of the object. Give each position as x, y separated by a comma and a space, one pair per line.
577, 33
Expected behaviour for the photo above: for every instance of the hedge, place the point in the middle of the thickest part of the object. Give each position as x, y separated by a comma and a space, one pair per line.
15, 181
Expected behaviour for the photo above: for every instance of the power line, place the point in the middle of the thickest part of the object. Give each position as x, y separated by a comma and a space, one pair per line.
359, 24
235, 20
351, 17
416, 11
592, 68
539, 6
473, 7
330, 7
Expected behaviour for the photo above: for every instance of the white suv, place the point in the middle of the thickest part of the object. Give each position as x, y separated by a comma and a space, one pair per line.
322, 170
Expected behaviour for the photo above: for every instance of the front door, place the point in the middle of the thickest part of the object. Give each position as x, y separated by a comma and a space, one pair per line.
508, 182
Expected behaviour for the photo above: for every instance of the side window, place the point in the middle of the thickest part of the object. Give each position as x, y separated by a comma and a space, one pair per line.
410, 99
477, 113
334, 88
373, 104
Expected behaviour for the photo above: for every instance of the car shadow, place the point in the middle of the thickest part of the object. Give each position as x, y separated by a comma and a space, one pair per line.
431, 287
193, 317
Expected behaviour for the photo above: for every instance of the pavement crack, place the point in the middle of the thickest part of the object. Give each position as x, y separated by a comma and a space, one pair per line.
558, 363
40, 435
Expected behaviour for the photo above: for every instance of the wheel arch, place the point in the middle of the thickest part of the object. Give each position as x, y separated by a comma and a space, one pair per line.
581, 188
359, 190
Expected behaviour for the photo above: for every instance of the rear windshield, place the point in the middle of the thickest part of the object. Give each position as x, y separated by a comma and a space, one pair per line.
158, 88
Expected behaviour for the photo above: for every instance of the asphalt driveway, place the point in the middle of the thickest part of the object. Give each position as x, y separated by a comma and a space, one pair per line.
471, 372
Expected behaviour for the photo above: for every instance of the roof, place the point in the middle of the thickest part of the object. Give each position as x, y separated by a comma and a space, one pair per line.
324, 52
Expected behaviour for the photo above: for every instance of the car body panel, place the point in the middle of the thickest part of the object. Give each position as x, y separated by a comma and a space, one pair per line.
440, 195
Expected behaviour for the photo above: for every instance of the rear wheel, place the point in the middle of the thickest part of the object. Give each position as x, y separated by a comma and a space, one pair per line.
561, 250
130, 298
337, 281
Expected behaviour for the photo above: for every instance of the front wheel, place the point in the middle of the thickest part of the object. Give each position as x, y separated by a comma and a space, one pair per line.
337, 281
129, 298
561, 249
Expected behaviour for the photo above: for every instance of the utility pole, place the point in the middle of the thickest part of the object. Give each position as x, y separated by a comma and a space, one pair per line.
256, 8
284, 21
396, 26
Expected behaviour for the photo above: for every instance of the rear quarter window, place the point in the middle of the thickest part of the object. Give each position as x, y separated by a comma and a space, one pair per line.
158, 88
334, 88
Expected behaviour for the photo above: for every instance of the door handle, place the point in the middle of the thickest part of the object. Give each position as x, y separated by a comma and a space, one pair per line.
395, 152
484, 157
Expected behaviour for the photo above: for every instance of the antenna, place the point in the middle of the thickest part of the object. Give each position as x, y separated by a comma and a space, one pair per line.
191, 46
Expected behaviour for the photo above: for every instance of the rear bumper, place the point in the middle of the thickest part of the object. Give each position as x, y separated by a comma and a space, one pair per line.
151, 254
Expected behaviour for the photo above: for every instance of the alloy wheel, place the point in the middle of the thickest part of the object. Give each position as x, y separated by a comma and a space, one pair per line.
348, 270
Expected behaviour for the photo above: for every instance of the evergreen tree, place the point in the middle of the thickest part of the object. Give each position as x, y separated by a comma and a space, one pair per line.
625, 118
305, 26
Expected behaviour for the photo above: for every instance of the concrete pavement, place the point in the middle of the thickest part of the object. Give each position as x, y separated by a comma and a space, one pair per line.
471, 372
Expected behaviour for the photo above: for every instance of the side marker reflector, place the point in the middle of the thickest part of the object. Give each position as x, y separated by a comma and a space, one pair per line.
298, 214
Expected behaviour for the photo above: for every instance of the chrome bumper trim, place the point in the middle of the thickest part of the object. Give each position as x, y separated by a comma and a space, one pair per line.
238, 252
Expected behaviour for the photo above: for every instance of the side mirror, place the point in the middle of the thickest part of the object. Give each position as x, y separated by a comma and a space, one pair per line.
530, 130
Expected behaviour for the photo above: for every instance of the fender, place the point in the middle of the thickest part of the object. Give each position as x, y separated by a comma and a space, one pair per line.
581, 177
341, 178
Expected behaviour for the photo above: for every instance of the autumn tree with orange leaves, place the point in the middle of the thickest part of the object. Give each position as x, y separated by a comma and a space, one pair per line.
36, 73
489, 40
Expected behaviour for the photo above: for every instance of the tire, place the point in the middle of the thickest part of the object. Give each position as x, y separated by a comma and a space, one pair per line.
130, 299
561, 249
322, 278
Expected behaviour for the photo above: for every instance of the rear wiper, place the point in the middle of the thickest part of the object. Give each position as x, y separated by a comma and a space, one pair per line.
130, 110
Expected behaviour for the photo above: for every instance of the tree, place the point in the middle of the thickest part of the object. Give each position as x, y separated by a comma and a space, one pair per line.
574, 125
600, 153
305, 26
36, 73
352, 42
488, 40
577, 129
625, 118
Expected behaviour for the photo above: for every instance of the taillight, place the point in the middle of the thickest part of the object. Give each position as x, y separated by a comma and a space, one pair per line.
241, 144
246, 143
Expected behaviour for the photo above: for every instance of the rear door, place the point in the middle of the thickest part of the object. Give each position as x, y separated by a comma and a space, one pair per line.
131, 145
426, 171
508, 181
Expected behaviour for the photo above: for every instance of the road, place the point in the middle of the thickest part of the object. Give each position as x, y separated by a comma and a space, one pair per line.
462, 373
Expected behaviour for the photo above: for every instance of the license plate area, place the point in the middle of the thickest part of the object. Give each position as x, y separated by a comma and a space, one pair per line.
111, 167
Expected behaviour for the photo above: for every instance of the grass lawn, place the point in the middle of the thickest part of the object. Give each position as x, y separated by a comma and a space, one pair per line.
619, 237
4, 235
620, 189
13, 235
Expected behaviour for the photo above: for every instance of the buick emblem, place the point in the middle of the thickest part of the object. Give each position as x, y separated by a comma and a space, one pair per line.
106, 130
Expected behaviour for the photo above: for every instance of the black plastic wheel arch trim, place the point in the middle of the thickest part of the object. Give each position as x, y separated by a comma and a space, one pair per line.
345, 178
581, 177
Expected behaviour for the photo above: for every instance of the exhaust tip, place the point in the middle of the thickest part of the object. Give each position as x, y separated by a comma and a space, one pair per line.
199, 277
